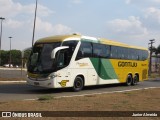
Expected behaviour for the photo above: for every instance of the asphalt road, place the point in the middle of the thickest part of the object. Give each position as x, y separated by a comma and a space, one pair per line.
22, 91
12, 73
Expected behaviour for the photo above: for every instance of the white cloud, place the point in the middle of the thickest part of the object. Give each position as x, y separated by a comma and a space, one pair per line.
130, 26
130, 31
8, 8
12, 9
44, 11
143, 2
43, 26
61, 29
46, 27
153, 13
14, 23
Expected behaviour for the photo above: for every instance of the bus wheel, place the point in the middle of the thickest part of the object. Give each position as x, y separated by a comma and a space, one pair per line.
129, 80
78, 84
135, 80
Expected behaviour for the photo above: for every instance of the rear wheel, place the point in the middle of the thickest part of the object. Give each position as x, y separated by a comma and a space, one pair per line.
129, 80
135, 80
78, 84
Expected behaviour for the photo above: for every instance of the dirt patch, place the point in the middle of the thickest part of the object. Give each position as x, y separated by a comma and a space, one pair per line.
144, 100
12, 79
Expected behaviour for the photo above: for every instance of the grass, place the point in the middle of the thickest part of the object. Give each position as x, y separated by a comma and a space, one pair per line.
154, 75
45, 97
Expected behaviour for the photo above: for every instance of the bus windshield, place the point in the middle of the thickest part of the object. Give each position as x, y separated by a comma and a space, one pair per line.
40, 60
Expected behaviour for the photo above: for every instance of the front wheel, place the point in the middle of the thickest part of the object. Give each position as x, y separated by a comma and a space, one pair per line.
78, 84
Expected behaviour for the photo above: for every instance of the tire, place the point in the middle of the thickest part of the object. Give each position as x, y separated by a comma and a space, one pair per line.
78, 84
129, 80
135, 80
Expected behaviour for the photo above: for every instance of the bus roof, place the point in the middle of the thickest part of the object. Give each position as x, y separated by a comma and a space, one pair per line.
110, 42
60, 38
57, 38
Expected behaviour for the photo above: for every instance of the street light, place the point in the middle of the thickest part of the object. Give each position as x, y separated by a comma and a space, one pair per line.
10, 53
1, 18
34, 23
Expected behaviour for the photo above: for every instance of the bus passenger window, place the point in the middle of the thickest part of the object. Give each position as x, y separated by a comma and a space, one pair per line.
100, 50
108, 51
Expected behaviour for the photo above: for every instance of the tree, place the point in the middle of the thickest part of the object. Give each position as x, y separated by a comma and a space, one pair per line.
15, 57
4, 57
26, 57
156, 51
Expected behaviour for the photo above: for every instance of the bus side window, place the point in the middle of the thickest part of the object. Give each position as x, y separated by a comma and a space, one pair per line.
108, 48
101, 51
145, 55
114, 52
97, 50
85, 50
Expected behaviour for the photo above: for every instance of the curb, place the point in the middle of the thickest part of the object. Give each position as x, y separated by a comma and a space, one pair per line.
13, 69
12, 81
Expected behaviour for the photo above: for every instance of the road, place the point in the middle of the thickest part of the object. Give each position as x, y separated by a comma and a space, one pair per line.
22, 91
12, 73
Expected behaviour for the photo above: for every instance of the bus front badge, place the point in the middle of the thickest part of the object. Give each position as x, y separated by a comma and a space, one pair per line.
63, 83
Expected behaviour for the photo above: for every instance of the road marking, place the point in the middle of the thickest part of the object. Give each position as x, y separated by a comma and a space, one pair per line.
30, 99
108, 92
122, 91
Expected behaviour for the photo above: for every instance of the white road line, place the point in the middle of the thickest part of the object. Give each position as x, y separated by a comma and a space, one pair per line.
109, 92
99, 93
30, 99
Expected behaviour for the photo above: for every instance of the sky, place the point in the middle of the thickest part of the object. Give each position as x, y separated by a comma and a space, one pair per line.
134, 22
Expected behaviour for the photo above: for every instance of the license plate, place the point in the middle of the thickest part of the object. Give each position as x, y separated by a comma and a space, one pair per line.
36, 83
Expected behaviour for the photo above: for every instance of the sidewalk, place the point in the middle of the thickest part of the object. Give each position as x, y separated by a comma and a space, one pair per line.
156, 78
3, 68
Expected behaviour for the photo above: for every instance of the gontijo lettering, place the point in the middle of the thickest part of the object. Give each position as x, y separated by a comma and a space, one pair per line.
127, 64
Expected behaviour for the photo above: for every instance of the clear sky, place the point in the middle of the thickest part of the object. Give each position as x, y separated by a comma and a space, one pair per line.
134, 22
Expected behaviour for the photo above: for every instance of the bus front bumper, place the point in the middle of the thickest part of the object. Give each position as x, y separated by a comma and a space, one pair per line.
44, 83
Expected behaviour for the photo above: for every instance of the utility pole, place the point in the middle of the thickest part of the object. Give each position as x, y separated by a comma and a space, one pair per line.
35, 15
1, 18
151, 51
10, 53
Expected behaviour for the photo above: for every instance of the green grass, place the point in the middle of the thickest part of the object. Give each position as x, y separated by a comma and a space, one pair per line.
45, 97
128, 93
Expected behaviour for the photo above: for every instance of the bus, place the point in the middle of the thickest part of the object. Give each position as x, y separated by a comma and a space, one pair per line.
77, 61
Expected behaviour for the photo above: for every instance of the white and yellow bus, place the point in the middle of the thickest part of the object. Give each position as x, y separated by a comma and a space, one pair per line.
77, 61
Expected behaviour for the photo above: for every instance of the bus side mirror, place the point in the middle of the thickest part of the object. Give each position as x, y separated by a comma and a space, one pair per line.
54, 51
